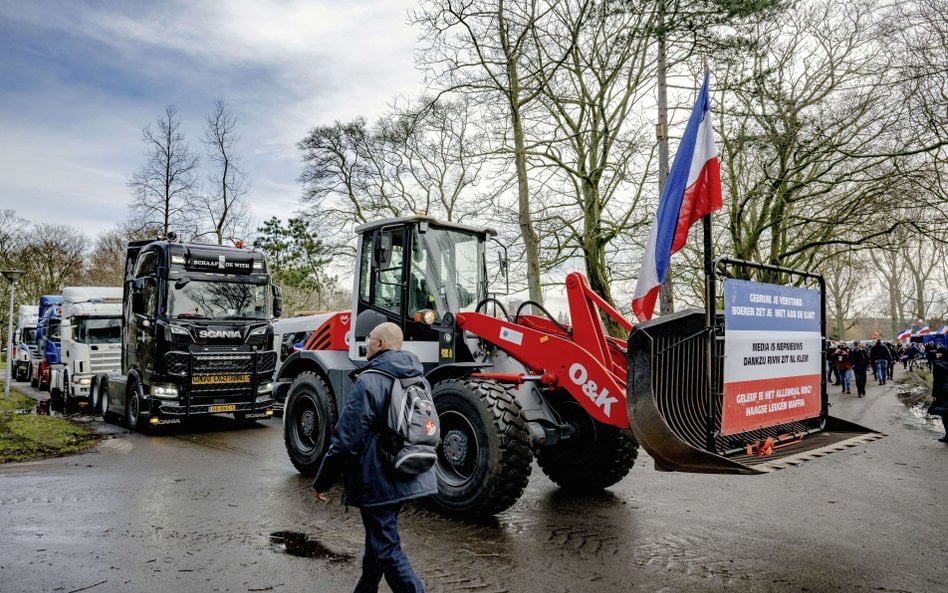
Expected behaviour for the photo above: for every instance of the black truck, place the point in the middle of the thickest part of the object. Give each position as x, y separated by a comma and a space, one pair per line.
196, 335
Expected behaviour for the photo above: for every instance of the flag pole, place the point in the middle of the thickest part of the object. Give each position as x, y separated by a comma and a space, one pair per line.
709, 319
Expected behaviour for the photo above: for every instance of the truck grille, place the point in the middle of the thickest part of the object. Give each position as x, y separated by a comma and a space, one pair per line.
221, 377
103, 361
179, 363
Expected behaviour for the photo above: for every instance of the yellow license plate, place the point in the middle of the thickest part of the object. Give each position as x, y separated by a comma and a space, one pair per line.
219, 379
230, 408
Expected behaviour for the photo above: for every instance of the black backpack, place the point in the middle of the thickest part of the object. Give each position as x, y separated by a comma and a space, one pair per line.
410, 430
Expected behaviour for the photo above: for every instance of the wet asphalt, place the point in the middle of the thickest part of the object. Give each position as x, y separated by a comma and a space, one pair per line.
218, 507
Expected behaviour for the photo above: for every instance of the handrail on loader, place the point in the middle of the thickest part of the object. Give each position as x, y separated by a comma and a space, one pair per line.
707, 394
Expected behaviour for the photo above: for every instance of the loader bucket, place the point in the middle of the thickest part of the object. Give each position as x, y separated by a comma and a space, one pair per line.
674, 405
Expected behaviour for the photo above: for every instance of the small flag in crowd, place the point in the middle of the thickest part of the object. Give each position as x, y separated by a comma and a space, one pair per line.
904, 334
692, 190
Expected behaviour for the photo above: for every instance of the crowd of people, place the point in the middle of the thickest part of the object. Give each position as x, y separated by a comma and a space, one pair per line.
846, 365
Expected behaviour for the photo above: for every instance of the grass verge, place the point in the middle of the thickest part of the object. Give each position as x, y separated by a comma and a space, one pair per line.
24, 436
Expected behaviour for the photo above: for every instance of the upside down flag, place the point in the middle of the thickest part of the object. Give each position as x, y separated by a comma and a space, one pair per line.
693, 189
924, 330
904, 334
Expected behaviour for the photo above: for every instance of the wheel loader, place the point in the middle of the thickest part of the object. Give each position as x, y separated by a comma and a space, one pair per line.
511, 387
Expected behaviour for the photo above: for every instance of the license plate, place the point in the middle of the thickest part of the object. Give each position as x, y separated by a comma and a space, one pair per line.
219, 379
229, 408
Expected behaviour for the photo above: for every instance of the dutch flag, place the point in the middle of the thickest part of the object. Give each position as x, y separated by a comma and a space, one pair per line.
904, 334
693, 189
924, 330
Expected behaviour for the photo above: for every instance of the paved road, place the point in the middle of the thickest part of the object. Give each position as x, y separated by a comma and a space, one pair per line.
216, 508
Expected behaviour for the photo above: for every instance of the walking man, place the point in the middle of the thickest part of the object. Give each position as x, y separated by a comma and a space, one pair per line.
370, 483
881, 359
859, 358
844, 367
939, 405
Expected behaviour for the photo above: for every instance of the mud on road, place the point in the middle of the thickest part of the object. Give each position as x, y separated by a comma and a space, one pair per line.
218, 507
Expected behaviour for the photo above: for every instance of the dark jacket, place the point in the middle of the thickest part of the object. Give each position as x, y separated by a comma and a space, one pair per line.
880, 351
859, 358
353, 449
940, 383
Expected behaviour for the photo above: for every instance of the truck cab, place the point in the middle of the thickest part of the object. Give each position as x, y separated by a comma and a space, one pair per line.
24, 342
47, 340
90, 341
196, 335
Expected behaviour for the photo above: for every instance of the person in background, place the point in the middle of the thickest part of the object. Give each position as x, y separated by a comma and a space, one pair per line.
844, 367
893, 356
881, 359
939, 405
859, 358
354, 454
831, 373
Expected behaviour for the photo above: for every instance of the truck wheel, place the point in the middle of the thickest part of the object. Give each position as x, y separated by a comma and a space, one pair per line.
21, 372
34, 381
308, 420
102, 403
597, 456
485, 456
133, 407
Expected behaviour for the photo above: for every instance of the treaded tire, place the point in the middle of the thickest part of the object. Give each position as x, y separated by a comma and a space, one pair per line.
308, 419
598, 455
133, 407
485, 456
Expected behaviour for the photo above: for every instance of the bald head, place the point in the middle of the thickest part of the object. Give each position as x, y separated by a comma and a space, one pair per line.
388, 336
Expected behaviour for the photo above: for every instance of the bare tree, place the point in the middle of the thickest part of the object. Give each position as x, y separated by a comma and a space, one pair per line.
426, 160
53, 258
812, 149
163, 188
12, 237
224, 207
491, 47
590, 133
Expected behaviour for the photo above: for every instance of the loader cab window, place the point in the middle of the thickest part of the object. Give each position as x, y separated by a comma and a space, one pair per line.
448, 272
381, 269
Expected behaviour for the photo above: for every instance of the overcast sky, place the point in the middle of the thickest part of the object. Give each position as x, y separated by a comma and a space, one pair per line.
81, 78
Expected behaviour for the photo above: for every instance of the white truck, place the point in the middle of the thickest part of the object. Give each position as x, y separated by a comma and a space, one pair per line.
91, 341
24, 342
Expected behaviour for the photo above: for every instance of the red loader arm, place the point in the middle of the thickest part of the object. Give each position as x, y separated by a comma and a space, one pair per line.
582, 359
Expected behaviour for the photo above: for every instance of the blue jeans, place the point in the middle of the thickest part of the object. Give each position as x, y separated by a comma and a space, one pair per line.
882, 370
383, 553
844, 379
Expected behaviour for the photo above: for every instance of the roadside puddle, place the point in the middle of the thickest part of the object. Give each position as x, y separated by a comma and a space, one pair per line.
304, 546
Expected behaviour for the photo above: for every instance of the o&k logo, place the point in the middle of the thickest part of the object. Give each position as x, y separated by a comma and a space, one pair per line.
580, 376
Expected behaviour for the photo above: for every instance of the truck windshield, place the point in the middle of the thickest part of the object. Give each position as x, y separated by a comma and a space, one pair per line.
28, 335
98, 330
218, 300
52, 332
447, 271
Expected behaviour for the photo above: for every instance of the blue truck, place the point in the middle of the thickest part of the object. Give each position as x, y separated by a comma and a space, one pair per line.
47, 340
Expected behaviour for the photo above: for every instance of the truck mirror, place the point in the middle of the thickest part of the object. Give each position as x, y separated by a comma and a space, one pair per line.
277, 301
382, 249
138, 286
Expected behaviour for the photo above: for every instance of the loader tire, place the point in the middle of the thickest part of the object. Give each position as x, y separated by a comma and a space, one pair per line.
485, 455
309, 416
596, 457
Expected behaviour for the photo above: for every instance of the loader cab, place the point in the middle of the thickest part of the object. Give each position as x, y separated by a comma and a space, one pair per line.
413, 271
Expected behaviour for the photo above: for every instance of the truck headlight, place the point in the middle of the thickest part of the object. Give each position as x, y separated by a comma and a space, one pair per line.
82, 380
258, 331
265, 388
164, 391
